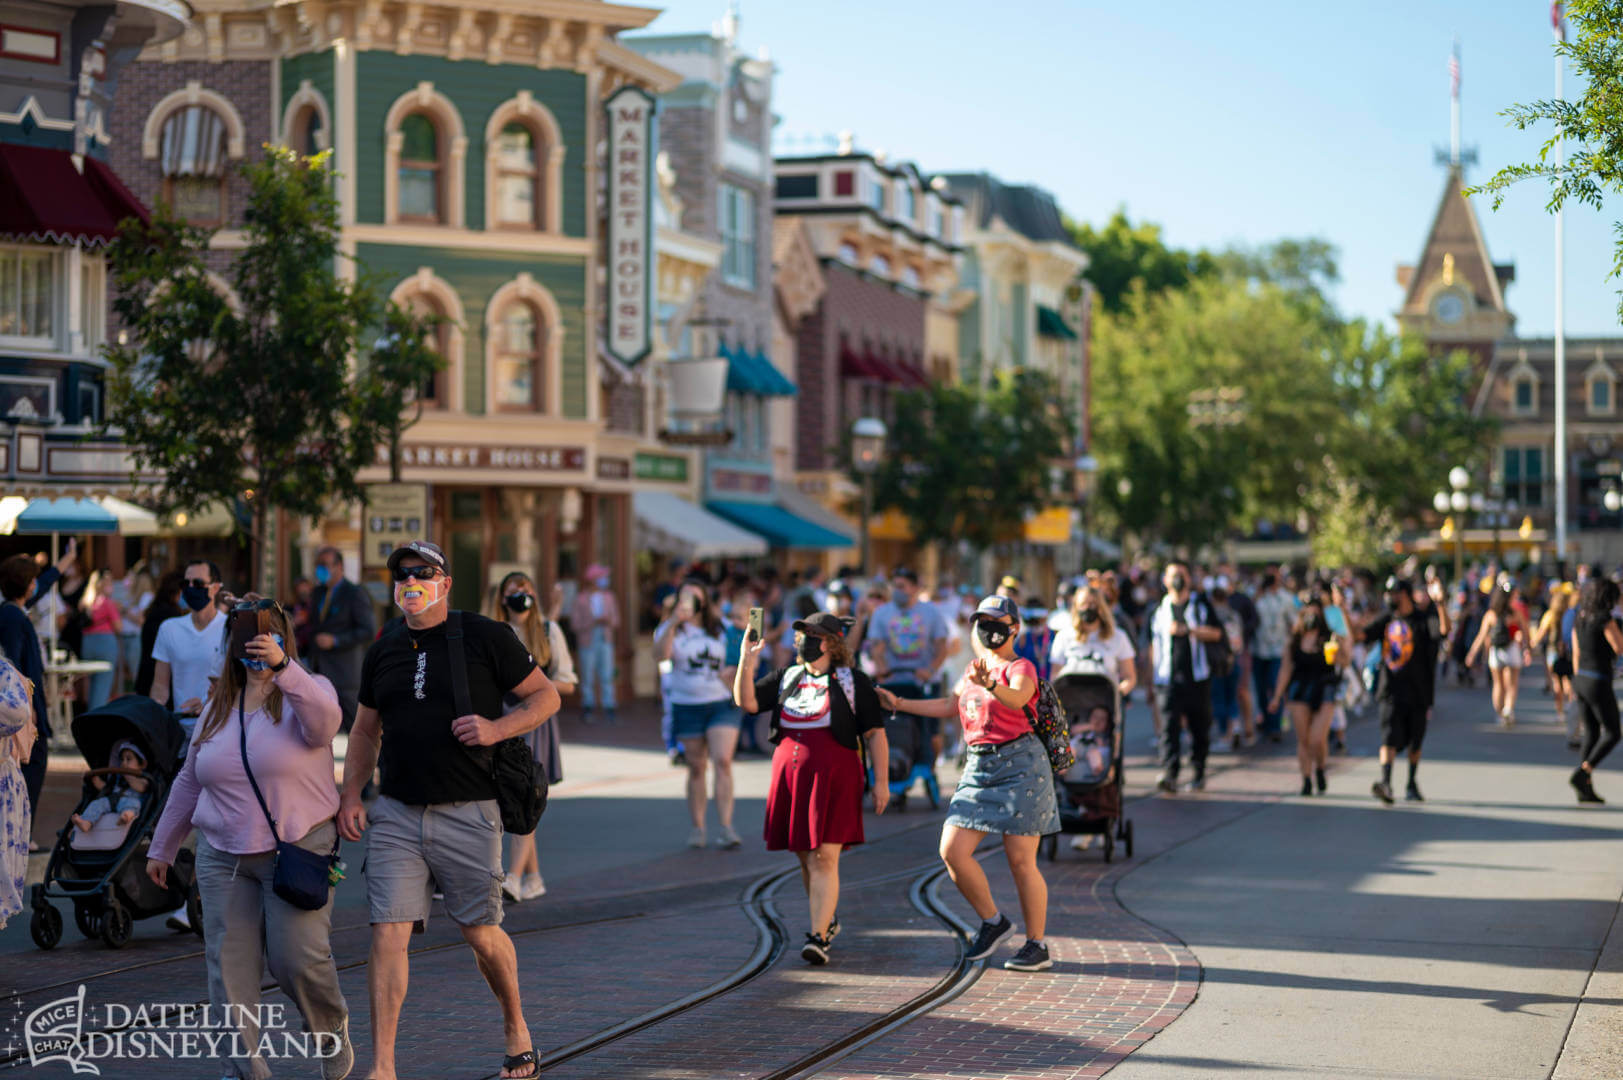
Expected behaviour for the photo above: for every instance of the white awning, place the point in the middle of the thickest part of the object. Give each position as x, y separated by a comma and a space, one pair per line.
132, 520
671, 525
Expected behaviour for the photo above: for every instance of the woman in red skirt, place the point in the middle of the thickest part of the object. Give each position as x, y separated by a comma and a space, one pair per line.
820, 706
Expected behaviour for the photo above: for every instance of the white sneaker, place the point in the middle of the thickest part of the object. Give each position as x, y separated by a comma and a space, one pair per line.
178, 919
728, 840
511, 888
696, 839
1082, 843
534, 887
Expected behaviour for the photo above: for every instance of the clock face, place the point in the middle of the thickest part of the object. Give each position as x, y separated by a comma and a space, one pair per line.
1448, 308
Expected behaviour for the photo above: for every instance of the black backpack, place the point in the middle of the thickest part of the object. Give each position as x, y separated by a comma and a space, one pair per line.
521, 787
1219, 654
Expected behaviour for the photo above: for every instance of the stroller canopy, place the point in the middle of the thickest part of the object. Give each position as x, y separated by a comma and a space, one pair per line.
137, 718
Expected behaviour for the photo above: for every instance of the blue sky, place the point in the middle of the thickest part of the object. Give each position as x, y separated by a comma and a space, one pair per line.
1225, 123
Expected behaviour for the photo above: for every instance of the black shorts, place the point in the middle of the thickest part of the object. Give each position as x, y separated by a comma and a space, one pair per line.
1403, 727
1315, 694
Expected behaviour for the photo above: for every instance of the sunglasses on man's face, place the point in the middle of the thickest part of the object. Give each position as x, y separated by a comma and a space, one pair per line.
198, 583
421, 573
264, 603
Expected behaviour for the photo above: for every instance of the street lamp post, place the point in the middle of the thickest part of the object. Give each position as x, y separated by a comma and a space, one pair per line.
867, 444
1085, 467
1459, 500
1124, 489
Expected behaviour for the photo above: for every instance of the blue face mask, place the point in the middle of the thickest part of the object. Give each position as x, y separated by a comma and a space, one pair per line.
260, 665
323, 574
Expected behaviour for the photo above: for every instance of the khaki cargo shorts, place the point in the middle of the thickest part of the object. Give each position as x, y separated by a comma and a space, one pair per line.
414, 851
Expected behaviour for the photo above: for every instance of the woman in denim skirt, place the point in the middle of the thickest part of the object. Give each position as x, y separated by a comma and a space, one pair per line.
1007, 788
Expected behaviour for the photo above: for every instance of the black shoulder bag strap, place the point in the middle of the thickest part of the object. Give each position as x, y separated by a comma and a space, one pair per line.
459, 664
303, 878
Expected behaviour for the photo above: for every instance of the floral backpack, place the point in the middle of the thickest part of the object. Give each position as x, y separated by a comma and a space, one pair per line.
1046, 716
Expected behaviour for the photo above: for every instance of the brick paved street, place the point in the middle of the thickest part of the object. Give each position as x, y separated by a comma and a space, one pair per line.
633, 922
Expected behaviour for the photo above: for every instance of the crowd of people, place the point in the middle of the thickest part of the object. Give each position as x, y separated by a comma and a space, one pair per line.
811, 665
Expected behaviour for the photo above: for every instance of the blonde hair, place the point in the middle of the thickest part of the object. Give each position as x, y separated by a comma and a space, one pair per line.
1107, 621
229, 686
532, 625
95, 589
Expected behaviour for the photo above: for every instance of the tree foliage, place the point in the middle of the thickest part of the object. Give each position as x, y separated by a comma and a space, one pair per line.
1122, 255
970, 463
1591, 127
260, 391
1351, 526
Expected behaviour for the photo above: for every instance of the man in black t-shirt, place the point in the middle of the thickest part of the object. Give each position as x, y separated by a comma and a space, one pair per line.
436, 821
1409, 639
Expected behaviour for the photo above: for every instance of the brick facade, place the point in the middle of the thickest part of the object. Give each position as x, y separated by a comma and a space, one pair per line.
865, 314
246, 84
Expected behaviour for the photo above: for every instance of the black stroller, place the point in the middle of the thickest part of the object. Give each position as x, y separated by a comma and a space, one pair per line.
912, 759
1090, 798
103, 872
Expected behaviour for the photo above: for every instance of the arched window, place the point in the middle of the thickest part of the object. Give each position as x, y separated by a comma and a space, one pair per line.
519, 359
418, 173
308, 136
192, 152
425, 294
524, 157
518, 178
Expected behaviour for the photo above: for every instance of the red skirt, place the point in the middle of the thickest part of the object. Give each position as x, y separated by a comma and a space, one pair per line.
816, 793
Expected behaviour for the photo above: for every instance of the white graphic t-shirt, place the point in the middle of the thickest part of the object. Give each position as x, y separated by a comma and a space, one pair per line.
807, 704
696, 662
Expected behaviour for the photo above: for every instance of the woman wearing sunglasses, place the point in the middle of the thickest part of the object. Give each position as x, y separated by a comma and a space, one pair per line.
267, 707
514, 601
1006, 789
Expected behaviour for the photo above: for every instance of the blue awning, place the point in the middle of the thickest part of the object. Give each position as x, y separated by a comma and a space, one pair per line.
66, 515
781, 528
753, 373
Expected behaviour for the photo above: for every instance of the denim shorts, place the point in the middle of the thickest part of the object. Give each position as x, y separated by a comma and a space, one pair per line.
1007, 789
692, 721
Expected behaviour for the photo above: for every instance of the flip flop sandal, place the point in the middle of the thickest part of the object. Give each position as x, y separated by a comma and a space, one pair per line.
518, 1061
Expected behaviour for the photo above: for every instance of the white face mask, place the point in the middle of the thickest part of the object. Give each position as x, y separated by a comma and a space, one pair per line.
415, 597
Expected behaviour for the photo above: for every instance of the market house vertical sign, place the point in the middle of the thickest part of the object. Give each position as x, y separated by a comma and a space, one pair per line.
630, 247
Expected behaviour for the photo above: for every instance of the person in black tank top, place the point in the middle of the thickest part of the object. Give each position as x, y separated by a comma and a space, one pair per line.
1308, 678
1596, 640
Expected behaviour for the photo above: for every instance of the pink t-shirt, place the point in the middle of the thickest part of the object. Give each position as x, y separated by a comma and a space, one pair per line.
103, 617
985, 719
293, 762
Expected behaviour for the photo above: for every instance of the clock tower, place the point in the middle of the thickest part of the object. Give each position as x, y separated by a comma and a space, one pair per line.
1454, 296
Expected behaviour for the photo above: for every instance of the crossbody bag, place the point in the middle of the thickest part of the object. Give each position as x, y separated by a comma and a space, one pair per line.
301, 877
521, 787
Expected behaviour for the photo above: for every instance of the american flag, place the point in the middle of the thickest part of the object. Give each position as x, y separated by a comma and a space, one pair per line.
1556, 22
1454, 72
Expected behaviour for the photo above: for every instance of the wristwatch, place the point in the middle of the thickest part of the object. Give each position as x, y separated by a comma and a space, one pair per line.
279, 668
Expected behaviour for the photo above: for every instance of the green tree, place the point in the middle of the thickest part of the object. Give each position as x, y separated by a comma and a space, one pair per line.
1591, 127
1121, 254
1351, 527
260, 396
970, 463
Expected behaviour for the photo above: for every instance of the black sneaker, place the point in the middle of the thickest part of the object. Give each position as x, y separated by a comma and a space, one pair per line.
833, 930
1167, 782
1318, 778
1382, 791
1307, 786
1585, 786
1031, 957
1412, 793
988, 937
815, 951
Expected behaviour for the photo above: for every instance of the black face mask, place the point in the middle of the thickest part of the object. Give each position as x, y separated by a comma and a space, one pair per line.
1178, 583
194, 598
811, 649
993, 635
1089, 615
519, 602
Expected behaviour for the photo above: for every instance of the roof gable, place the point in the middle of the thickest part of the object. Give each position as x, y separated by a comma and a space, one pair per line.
1455, 250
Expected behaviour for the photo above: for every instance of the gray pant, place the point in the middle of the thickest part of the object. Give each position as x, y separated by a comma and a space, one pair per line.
247, 926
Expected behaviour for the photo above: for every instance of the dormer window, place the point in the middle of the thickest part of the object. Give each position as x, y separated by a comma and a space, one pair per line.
1600, 388
876, 194
849, 255
910, 277
1524, 394
880, 265
907, 208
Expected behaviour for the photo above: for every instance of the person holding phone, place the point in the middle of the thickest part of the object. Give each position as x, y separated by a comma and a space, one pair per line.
703, 717
822, 708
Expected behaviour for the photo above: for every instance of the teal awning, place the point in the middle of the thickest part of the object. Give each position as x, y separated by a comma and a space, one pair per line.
41, 516
781, 528
753, 373
1051, 323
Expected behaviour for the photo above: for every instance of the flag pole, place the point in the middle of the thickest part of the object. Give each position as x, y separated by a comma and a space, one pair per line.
1454, 106
1560, 325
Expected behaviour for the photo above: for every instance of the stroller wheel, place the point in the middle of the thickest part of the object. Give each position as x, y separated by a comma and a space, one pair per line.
116, 925
1127, 839
1110, 845
86, 919
46, 927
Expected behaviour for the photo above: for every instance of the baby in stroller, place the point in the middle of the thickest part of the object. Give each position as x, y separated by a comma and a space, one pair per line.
1090, 742
121, 795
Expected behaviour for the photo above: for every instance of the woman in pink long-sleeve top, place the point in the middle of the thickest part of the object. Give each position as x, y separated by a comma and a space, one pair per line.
291, 717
